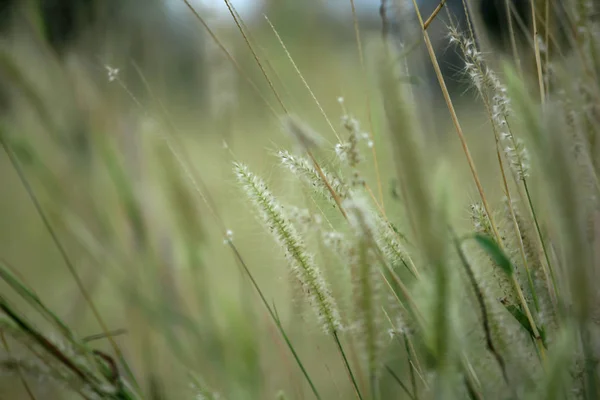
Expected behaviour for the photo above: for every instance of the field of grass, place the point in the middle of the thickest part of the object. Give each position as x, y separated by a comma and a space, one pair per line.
305, 216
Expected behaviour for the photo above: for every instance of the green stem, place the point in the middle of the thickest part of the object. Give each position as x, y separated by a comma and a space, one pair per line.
275, 318
541, 238
348, 368
399, 381
413, 380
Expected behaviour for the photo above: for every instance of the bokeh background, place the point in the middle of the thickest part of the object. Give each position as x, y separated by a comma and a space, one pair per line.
89, 120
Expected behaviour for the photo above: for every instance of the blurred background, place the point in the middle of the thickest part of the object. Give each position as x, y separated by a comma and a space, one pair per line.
89, 90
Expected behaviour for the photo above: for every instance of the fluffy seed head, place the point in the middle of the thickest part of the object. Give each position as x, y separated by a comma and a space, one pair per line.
284, 232
304, 169
480, 219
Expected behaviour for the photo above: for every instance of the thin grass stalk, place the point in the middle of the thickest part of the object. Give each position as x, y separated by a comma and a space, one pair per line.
547, 25
274, 317
434, 14
301, 76
477, 68
413, 362
400, 177
399, 381
16, 284
323, 113
256, 58
264, 58
538, 230
469, 376
347, 364
536, 47
548, 269
413, 306
513, 40
292, 378
237, 66
368, 102
510, 205
332, 192
172, 130
411, 367
456, 122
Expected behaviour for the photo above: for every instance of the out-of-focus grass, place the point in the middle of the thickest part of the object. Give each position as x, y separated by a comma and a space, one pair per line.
144, 243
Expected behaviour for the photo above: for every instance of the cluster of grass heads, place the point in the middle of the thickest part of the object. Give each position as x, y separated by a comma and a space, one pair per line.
411, 301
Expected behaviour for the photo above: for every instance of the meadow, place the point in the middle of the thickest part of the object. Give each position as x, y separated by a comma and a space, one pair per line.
308, 209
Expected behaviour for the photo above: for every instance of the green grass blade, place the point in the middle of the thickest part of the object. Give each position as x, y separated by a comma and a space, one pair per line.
32, 298
498, 255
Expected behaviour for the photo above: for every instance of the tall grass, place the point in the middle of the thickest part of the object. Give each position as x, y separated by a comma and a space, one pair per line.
418, 294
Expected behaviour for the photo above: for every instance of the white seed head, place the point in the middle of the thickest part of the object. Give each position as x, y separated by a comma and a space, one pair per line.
480, 219
305, 170
299, 259
113, 73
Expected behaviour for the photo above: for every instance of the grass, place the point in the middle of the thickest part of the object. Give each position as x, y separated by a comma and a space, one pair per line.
162, 264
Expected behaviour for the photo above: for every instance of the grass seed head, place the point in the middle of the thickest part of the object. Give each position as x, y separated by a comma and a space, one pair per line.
300, 260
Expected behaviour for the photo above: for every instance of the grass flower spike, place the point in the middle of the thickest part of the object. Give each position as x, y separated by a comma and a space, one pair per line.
301, 262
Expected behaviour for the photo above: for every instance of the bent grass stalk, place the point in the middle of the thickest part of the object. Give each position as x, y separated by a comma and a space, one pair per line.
538, 58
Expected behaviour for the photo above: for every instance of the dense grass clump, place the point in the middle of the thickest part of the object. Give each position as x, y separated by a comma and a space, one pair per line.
381, 265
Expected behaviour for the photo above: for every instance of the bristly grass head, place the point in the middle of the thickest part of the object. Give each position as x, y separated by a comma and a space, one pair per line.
306, 172
299, 259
